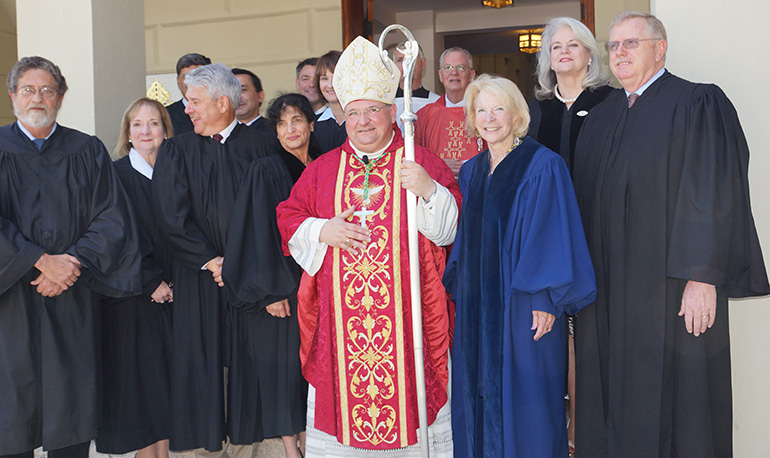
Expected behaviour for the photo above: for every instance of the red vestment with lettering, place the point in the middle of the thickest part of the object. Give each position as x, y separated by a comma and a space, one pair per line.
442, 131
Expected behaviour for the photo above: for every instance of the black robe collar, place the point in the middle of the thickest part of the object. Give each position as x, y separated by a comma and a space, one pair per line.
420, 92
549, 132
13, 140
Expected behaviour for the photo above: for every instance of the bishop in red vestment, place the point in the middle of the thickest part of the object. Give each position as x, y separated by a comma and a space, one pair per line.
345, 224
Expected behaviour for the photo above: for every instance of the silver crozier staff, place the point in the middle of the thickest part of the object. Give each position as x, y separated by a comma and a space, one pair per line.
411, 52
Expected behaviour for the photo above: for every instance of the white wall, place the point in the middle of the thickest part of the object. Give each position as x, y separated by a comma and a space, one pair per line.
99, 47
726, 43
7, 56
74, 56
119, 70
420, 23
268, 38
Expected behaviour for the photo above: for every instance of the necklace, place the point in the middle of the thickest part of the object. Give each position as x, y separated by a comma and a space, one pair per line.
516, 142
368, 166
562, 99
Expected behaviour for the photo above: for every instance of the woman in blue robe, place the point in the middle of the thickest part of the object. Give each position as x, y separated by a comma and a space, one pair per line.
519, 263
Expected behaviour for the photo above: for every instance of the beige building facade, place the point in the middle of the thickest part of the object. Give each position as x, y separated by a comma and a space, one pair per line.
268, 38
107, 51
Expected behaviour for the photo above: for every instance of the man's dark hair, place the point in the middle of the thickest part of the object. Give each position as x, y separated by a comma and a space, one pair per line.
188, 60
34, 62
297, 101
304, 63
254, 78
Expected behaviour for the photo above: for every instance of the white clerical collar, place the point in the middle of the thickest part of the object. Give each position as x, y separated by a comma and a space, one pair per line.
252, 121
184, 102
32, 137
227, 131
375, 154
139, 163
648, 83
321, 110
327, 114
449, 104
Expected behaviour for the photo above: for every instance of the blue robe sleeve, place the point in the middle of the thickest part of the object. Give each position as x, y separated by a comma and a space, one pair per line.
545, 252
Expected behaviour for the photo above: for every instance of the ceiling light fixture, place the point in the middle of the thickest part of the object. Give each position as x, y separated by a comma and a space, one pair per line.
496, 3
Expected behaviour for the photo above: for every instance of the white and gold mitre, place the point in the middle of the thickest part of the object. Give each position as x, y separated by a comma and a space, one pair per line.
360, 74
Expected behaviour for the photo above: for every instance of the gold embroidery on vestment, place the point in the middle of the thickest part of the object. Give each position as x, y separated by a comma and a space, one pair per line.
399, 299
456, 141
371, 341
338, 324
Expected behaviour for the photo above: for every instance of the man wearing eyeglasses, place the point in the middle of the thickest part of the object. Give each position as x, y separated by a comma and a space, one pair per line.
66, 234
661, 180
440, 126
345, 225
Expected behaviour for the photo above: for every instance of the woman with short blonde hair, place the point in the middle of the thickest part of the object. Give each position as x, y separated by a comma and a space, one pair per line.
518, 265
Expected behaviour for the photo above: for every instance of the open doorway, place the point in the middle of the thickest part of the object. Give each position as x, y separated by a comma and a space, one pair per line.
490, 35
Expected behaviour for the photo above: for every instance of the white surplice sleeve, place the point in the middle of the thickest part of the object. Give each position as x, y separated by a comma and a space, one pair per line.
437, 217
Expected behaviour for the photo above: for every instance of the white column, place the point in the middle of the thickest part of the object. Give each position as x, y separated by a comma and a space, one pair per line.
99, 46
7, 57
421, 24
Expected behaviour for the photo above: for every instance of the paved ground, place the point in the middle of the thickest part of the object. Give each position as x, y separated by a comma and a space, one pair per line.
270, 448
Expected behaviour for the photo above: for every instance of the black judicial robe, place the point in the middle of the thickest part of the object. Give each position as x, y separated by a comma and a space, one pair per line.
180, 121
329, 134
136, 336
194, 186
556, 127
663, 192
294, 165
268, 396
64, 198
263, 125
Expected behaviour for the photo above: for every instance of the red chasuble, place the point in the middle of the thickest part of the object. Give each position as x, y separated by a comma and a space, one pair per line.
355, 313
442, 131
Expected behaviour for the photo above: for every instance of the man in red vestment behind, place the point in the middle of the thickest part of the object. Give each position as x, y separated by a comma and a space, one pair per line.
440, 126
345, 224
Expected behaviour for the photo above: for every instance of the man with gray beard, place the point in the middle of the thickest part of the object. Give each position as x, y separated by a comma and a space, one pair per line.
65, 233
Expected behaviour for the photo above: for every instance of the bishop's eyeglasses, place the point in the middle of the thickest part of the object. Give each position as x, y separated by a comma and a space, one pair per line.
371, 111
